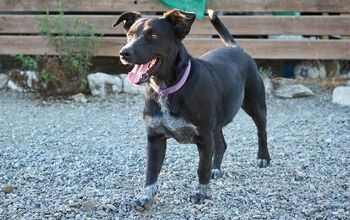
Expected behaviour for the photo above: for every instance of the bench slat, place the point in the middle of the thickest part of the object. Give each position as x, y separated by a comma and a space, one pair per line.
260, 49
238, 25
154, 5
281, 5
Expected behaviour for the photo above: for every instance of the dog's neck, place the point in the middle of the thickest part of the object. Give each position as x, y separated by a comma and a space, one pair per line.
173, 71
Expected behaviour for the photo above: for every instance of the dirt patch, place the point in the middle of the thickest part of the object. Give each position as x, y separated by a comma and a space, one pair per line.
55, 79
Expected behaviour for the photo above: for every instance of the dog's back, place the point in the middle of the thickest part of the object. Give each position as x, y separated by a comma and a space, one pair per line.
233, 69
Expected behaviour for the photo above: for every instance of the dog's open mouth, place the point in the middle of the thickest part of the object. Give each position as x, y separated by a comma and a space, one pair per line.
142, 72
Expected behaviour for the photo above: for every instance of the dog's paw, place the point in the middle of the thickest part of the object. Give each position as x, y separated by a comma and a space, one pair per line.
200, 194
143, 203
145, 200
262, 163
216, 174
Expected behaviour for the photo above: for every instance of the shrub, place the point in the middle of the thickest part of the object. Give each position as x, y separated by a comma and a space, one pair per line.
75, 42
27, 62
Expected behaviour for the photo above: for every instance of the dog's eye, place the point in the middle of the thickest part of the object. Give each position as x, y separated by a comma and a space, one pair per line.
152, 35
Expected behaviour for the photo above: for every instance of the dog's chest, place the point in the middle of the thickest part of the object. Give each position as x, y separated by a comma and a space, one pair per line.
170, 126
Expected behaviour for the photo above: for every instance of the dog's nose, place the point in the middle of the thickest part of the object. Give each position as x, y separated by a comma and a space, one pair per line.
125, 52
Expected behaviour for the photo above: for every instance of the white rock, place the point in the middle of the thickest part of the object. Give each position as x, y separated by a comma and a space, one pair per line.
13, 86
31, 77
310, 69
299, 175
293, 91
128, 88
268, 87
80, 97
341, 95
3, 80
27, 81
102, 84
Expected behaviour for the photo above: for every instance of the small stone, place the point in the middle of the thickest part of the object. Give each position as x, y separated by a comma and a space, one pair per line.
89, 206
7, 189
57, 215
102, 84
111, 207
293, 91
341, 95
328, 140
73, 205
3, 80
101, 213
2, 196
81, 98
298, 175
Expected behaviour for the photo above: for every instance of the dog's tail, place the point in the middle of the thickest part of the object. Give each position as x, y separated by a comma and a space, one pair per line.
224, 34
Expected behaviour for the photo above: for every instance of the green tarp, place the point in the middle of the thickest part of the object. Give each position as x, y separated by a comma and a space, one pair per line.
196, 6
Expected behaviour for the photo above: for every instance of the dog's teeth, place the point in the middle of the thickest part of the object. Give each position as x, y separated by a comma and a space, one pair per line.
152, 63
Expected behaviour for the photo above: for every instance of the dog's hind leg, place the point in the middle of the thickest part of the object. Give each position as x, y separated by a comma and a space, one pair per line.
219, 150
254, 105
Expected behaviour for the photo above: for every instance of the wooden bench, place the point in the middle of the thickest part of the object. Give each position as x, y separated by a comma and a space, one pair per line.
19, 33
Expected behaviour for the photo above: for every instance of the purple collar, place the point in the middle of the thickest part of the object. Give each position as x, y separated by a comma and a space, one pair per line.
175, 87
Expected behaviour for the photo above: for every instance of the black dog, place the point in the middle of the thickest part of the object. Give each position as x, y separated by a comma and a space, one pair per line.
190, 99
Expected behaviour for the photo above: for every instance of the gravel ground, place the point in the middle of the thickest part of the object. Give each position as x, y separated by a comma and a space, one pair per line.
66, 160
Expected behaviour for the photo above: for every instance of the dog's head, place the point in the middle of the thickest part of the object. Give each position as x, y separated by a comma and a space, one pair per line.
152, 43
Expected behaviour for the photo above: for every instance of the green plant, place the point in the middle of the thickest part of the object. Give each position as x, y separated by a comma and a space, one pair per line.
44, 78
27, 62
75, 42
84, 84
265, 72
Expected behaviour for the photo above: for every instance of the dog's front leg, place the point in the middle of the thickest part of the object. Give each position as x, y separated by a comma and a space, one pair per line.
205, 145
156, 147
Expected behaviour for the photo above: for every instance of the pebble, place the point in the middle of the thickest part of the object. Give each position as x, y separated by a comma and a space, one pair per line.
111, 207
88, 206
59, 156
298, 175
7, 189
74, 204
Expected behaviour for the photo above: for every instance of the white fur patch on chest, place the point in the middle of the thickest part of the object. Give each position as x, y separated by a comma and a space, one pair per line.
170, 126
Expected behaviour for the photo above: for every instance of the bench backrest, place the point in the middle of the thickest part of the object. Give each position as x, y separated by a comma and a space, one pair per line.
250, 21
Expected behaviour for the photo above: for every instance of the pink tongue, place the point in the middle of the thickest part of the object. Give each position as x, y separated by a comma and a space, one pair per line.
137, 72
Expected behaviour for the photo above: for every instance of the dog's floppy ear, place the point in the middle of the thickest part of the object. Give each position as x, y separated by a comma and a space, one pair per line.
181, 21
129, 19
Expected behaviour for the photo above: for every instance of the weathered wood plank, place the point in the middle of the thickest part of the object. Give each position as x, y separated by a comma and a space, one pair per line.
259, 49
82, 5
281, 5
154, 5
238, 25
